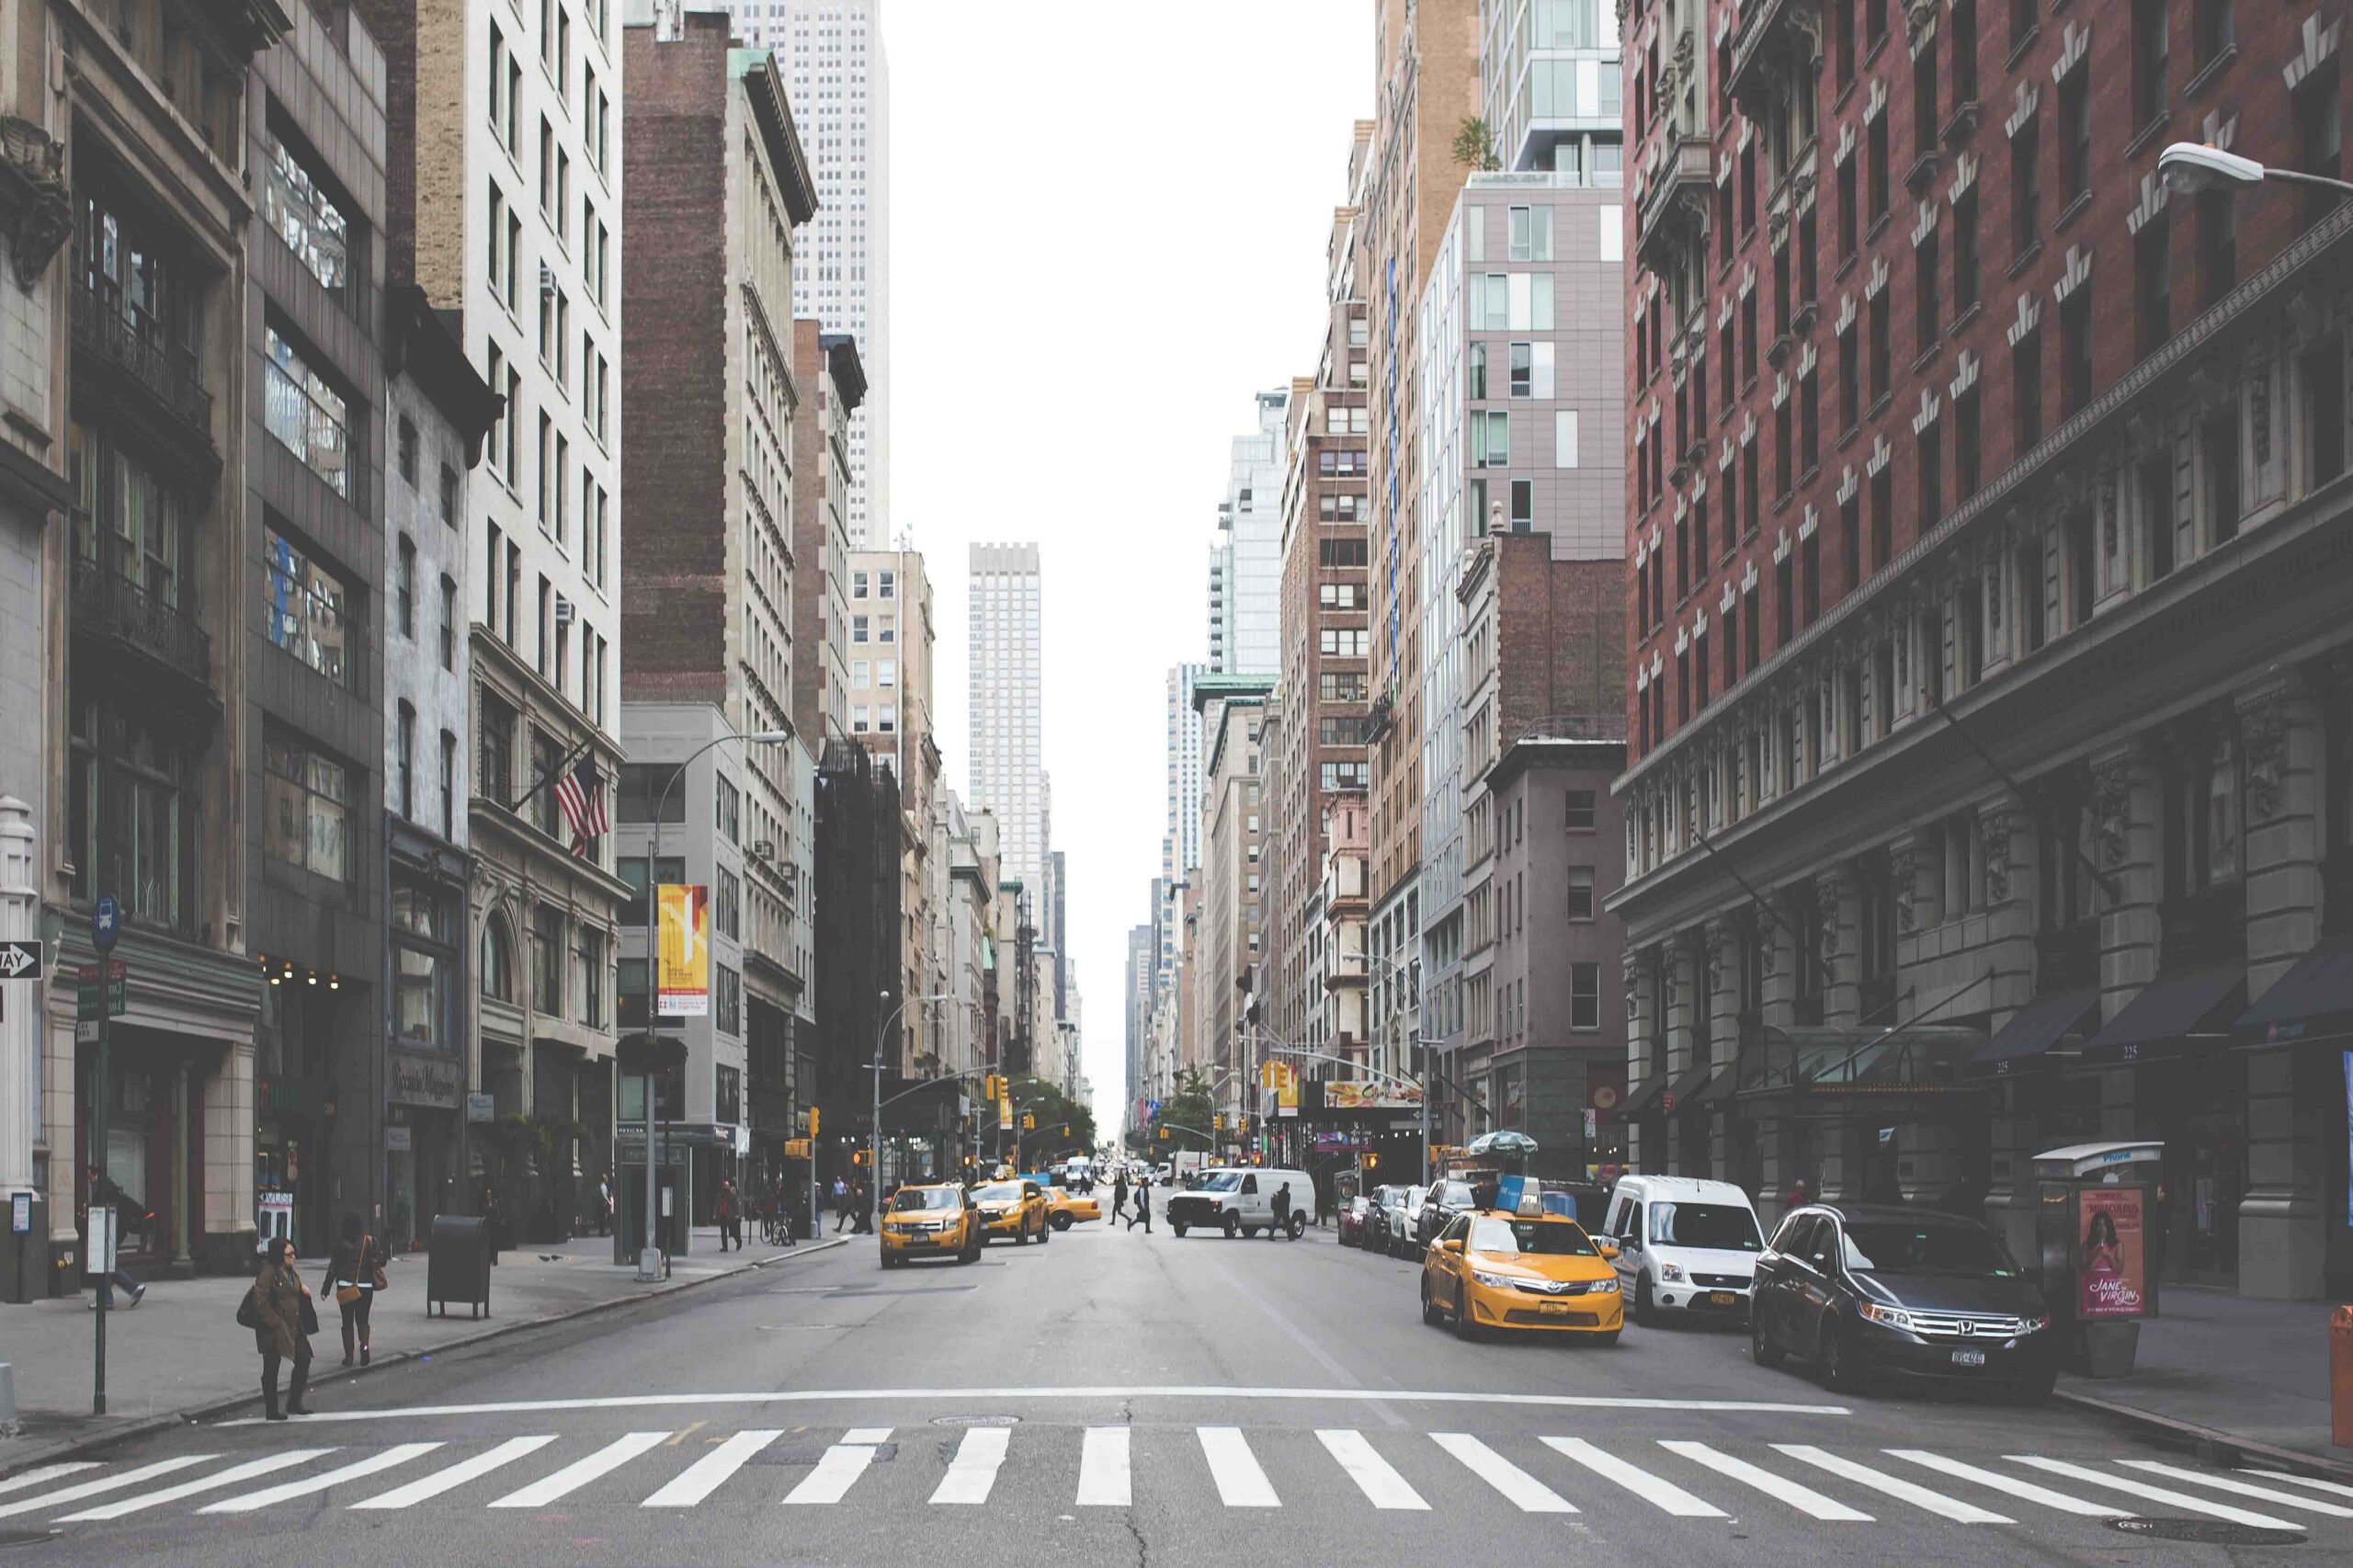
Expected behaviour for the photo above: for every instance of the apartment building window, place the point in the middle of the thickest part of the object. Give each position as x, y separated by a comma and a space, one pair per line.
307, 802
1926, 301
886, 581
2218, 446
306, 413
2152, 281
1929, 460
495, 771
2218, 247
501, 270
1752, 622
2026, 186
2321, 373
405, 587
1851, 539
1882, 518
2075, 133
2026, 392
1809, 422
1345, 642
886, 672
1964, 52
2319, 141
298, 206
1750, 504
306, 614
1682, 556
405, 760
1585, 996
1731, 646
449, 785
592, 977
2023, 15
1491, 440
547, 959
1748, 336
1583, 811
1849, 204
1785, 628
1964, 254
1923, 98
1700, 534
1842, 39
1875, 148
1882, 347
886, 718
1810, 576
2075, 350
1580, 893
2149, 61
2033, 601
726, 904
1965, 444
1531, 234
1850, 381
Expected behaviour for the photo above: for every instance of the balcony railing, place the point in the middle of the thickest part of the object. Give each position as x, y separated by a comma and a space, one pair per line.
108, 603
1774, 36
167, 373
1677, 189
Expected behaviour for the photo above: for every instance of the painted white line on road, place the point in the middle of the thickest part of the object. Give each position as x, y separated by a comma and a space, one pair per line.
2155, 1493
840, 1466
1654, 1490
427, 1487
399, 1453
972, 1474
2328, 1486
1804, 1499
248, 1471
1106, 1392
1105, 1479
703, 1477
580, 1473
1527, 1493
1241, 1483
1903, 1491
82, 1489
45, 1475
2026, 1490
1375, 1477
2243, 1488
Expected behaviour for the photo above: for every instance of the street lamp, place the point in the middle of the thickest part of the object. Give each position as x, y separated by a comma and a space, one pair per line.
649, 1259
2193, 166
874, 1137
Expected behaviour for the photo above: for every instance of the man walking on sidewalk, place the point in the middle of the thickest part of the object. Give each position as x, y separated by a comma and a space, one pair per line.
841, 1206
730, 1217
106, 1192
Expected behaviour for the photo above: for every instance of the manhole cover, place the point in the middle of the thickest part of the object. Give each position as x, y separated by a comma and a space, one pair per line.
2211, 1532
27, 1538
974, 1420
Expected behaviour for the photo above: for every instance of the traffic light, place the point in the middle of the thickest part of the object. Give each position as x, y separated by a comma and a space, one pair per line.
1217, 1122
1372, 1162
1028, 1121
813, 1122
1163, 1135
861, 1157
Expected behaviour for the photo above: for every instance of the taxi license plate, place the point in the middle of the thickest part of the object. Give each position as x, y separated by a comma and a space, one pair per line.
1553, 1307
1723, 1297
1969, 1357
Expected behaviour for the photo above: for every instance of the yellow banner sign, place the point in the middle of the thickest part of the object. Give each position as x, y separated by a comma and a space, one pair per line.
1005, 1114
685, 932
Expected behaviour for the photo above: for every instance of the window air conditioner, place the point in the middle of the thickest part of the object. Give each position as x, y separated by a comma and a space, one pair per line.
547, 278
564, 610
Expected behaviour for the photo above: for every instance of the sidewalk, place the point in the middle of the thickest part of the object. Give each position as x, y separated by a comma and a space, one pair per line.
2255, 1370
181, 1350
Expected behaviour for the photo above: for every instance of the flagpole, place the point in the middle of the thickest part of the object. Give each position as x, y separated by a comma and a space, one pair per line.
569, 758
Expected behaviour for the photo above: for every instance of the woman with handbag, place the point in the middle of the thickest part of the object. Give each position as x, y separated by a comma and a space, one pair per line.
355, 1273
279, 1312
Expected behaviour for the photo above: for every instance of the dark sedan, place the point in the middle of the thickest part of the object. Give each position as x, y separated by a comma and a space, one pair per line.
1447, 1199
1861, 1290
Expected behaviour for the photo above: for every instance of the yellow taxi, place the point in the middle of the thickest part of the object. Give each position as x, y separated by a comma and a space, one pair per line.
1015, 1209
930, 1221
1065, 1208
1498, 1269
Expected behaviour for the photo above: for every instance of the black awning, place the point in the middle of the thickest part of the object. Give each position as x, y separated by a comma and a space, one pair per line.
2311, 1000
1684, 1086
1640, 1098
2172, 1012
1718, 1086
2039, 1025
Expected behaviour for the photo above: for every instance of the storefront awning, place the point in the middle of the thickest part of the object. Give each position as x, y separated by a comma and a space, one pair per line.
1684, 1087
1639, 1098
2027, 1039
2172, 1012
2311, 1001
1859, 1060
1721, 1083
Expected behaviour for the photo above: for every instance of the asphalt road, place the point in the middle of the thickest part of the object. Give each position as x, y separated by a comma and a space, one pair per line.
1112, 1398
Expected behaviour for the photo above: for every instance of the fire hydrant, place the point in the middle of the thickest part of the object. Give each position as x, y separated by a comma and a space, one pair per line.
2340, 1377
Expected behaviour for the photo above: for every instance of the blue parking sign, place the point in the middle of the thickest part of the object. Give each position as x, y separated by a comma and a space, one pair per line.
102, 924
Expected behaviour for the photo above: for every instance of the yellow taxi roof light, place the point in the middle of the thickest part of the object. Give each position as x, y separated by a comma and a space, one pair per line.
1531, 1207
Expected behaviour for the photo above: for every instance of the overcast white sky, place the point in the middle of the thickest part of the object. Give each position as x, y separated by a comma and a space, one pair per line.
1107, 228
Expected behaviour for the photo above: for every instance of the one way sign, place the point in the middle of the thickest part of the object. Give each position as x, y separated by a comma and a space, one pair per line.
19, 960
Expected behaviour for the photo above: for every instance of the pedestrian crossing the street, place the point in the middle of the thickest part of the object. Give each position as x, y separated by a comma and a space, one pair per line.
1628, 1479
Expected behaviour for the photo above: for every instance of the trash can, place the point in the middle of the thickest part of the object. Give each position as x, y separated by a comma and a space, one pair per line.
2093, 1225
456, 1266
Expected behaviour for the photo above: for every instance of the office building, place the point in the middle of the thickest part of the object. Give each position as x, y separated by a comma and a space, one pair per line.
1004, 691
1246, 559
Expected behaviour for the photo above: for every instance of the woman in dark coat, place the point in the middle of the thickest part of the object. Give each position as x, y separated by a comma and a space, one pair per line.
352, 1267
277, 1295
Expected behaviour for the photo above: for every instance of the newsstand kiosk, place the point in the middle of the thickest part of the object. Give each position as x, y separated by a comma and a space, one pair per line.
2093, 1225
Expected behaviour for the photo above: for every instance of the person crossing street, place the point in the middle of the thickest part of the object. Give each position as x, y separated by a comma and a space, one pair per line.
1143, 1205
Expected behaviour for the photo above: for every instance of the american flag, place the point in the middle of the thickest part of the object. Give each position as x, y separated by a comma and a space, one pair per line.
582, 800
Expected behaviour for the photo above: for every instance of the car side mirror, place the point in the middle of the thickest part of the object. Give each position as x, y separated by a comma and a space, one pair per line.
1821, 1259
1608, 1250
1455, 1246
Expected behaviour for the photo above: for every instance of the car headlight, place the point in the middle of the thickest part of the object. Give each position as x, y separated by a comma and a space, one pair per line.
1893, 1317
2034, 1324
1495, 1281
1671, 1272
1604, 1287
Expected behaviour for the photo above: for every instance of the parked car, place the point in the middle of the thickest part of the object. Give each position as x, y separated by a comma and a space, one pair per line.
1685, 1246
1871, 1289
1353, 1220
1402, 1219
1377, 1220
1447, 1199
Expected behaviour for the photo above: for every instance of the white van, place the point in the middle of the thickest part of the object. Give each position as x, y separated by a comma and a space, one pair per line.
1683, 1245
1239, 1200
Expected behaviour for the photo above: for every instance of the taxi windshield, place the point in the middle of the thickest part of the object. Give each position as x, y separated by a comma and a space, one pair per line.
912, 1199
1001, 1192
1553, 1238
1224, 1181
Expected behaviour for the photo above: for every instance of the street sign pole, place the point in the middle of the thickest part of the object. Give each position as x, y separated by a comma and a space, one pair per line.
99, 1232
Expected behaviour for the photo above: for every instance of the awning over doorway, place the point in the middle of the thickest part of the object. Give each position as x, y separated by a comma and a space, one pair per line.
2043, 1023
2311, 1001
2172, 1012
1641, 1096
1686, 1085
1834, 1058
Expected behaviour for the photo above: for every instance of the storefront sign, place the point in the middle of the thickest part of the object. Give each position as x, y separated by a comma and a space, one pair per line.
423, 1080
2110, 1278
1355, 1094
481, 1107
396, 1140
685, 980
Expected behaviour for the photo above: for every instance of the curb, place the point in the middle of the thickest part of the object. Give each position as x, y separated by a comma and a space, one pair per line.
2209, 1442
148, 1426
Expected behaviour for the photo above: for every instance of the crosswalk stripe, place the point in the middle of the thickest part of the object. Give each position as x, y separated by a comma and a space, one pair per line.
1241, 1483
1375, 1477
2330, 1486
705, 1477
1530, 1494
2243, 1488
398, 1454
105, 1484
47, 1472
455, 1475
1655, 1490
268, 1464
2026, 1490
1902, 1491
972, 1474
1105, 1480
1804, 1499
840, 1466
2156, 1494
580, 1473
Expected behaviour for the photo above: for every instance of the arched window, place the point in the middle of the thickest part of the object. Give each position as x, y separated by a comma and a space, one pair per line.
497, 960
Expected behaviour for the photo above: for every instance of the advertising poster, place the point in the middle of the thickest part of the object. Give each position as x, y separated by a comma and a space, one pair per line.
1286, 1089
1357, 1094
2109, 1278
684, 932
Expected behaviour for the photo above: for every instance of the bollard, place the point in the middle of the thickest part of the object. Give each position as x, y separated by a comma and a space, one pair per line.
2340, 1377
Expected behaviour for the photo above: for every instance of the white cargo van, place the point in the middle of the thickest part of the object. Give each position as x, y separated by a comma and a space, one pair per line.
1684, 1246
1239, 1200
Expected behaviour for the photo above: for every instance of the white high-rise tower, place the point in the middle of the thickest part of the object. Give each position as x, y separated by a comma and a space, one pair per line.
1005, 710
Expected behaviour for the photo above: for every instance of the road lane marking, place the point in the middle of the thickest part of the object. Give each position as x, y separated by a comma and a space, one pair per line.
1804, 1499
1241, 1483
2329, 1486
1652, 1489
703, 1477
2026, 1490
1375, 1477
1530, 1494
82, 1489
972, 1472
2243, 1488
1105, 1478
47, 1472
456, 1476
398, 1454
840, 1466
580, 1473
266, 1465
2156, 1494
1903, 1491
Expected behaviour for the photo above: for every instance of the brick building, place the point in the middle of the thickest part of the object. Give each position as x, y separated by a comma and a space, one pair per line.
1965, 449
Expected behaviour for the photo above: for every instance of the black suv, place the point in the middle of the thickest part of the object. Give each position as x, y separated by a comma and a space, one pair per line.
1864, 1289
1447, 1199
